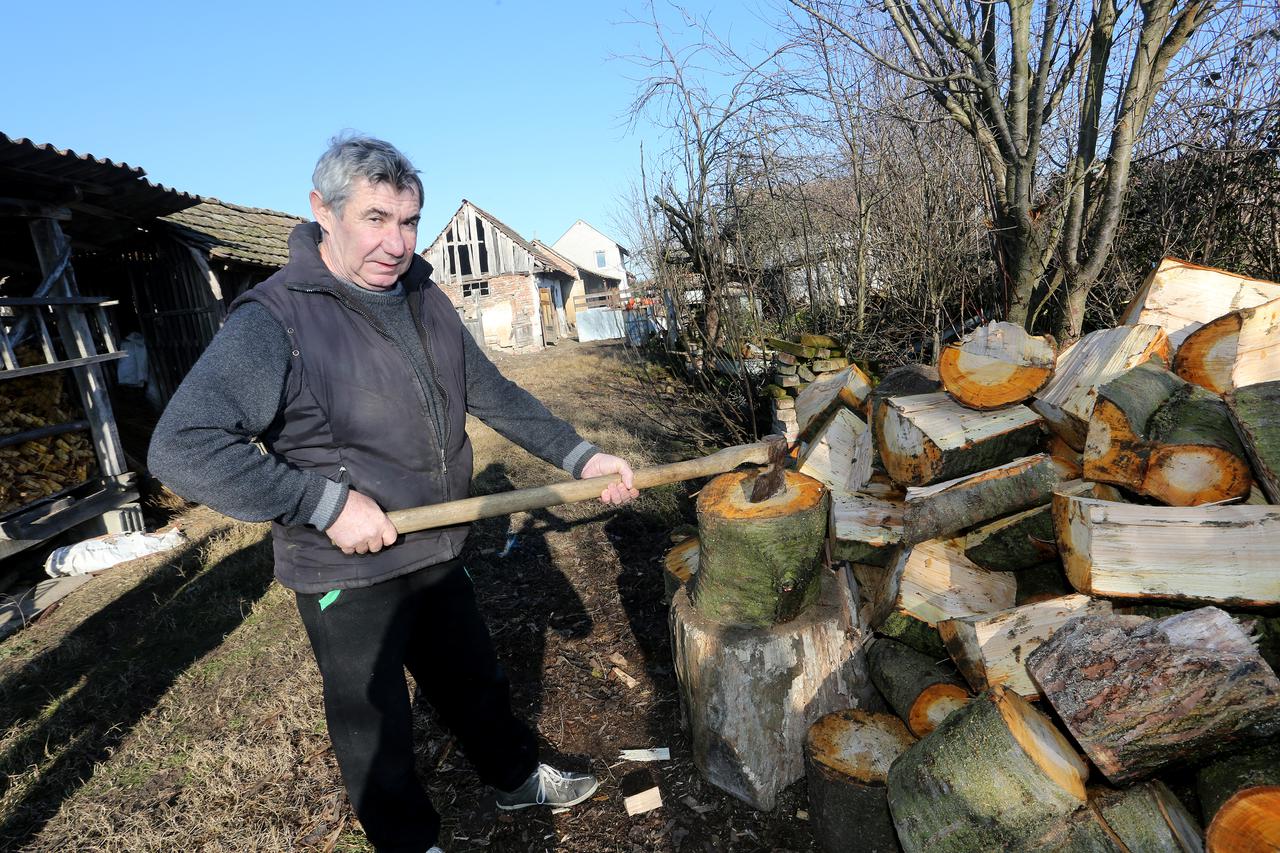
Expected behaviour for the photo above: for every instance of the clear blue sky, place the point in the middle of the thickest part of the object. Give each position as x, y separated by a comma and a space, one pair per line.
520, 106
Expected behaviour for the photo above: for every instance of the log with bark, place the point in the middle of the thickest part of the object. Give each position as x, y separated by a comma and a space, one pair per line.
1223, 778
758, 561
996, 365
1139, 694
866, 528
946, 508
849, 388
929, 438
909, 380
991, 649
838, 453
1067, 401
1145, 817
1255, 396
847, 758
994, 776
1015, 542
1247, 823
1180, 297
1207, 554
750, 694
921, 690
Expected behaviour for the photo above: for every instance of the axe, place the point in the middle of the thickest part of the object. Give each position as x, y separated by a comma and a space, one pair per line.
771, 452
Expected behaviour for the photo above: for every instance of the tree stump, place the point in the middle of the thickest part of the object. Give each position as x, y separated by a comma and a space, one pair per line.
919, 689
995, 775
996, 365
847, 757
757, 562
750, 694
1139, 694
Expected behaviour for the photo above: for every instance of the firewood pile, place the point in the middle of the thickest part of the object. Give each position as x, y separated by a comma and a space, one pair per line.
1059, 567
793, 366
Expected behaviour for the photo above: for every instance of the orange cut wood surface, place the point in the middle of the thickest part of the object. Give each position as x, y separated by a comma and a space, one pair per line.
728, 496
1249, 822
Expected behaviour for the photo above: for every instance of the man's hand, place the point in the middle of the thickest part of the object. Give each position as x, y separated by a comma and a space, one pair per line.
362, 527
615, 493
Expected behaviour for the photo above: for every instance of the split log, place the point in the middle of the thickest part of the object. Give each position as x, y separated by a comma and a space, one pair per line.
1207, 554
996, 365
750, 694
930, 438
1060, 449
1115, 449
1139, 694
919, 689
1255, 397
1067, 401
828, 365
1146, 817
797, 350
995, 775
945, 508
933, 581
1222, 779
758, 560
804, 374
866, 529
679, 566
847, 757
1180, 297
849, 388
1041, 583
991, 649
1249, 822
816, 341
909, 380
838, 454
1208, 355
1015, 542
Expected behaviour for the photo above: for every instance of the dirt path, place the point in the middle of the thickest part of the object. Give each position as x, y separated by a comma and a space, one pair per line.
174, 705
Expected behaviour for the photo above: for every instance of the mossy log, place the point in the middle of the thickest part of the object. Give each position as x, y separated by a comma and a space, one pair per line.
838, 453
1140, 694
1015, 542
1145, 817
1222, 778
758, 561
1180, 297
750, 694
922, 690
995, 775
849, 389
866, 528
929, 438
810, 339
847, 758
1249, 822
996, 365
909, 380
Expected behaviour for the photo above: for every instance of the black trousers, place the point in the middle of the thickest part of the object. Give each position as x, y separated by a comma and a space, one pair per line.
363, 639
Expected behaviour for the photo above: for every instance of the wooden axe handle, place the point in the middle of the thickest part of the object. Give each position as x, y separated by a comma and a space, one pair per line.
540, 497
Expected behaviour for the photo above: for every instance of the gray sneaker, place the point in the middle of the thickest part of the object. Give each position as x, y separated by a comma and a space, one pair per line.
549, 787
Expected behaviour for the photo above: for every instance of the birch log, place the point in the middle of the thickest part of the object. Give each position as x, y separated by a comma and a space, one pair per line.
921, 690
1140, 694
996, 365
838, 454
1180, 297
848, 388
930, 438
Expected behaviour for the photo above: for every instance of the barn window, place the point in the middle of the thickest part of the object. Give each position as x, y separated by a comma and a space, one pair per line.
475, 288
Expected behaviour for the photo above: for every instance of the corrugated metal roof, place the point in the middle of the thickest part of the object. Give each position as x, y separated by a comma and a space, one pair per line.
233, 232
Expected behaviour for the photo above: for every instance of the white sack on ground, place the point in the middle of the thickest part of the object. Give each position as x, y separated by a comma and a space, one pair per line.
103, 552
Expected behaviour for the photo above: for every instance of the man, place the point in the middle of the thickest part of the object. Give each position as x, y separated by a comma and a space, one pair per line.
338, 390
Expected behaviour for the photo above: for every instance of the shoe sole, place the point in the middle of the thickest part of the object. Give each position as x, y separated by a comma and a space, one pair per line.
567, 805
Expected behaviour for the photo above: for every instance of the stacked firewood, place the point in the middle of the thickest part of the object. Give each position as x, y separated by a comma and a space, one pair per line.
1058, 551
31, 470
793, 366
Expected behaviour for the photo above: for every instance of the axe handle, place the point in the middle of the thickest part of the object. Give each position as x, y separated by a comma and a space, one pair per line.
540, 497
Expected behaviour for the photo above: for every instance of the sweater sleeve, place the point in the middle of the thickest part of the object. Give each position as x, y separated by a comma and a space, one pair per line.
519, 416
204, 444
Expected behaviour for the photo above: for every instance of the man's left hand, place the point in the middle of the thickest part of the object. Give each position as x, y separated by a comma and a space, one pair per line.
615, 493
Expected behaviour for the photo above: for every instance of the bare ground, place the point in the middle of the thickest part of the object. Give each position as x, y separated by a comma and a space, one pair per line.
173, 703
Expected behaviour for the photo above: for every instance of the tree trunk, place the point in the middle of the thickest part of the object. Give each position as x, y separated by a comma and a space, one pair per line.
1014, 542
1156, 692
758, 561
996, 365
995, 775
919, 689
847, 757
838, 453
849, 388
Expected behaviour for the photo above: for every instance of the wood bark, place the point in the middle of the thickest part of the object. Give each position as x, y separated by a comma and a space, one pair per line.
847, 759
1247, 823
991, 649
1066, 403
1208, 554
946, 508
1221, 779
849, 388
838, 453
757, 562
1145, 817
1180, 297
1256, 412
1015, 542
1139, 694
909, 380
995, 775
751, 694
996, 365
929, 438
866, 529
922, 690
679, 566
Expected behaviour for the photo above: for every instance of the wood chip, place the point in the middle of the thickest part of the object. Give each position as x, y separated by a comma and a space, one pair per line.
660, 753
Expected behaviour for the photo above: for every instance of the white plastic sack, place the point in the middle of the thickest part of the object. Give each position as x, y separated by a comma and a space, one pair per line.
132, 371
103, 552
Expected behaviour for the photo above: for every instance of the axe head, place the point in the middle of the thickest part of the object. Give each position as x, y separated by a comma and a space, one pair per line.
773, 477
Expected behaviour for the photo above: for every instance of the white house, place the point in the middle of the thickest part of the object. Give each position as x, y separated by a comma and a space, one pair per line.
596, 253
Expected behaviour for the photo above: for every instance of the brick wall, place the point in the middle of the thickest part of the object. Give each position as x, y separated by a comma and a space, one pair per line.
516, 291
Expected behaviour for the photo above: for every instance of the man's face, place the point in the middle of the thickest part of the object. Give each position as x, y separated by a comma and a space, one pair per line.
371, 244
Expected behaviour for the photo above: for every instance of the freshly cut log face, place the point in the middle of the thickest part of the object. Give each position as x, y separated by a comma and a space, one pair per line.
680, 565
1116, 449
1209, 554
1208, 355
758, 561
1249, 822
839, 453
1258, 346
866, 528
994, 776
1067, 401
990, 650
929, 438
849, 388
920, 690
847, 759
1139, 694
1015, 542
945, 508
1180, 297
996, 365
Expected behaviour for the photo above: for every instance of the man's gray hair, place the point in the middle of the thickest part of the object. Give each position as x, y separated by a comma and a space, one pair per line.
351, 156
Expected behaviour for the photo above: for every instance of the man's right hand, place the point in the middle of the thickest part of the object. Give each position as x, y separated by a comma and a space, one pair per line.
362, 527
